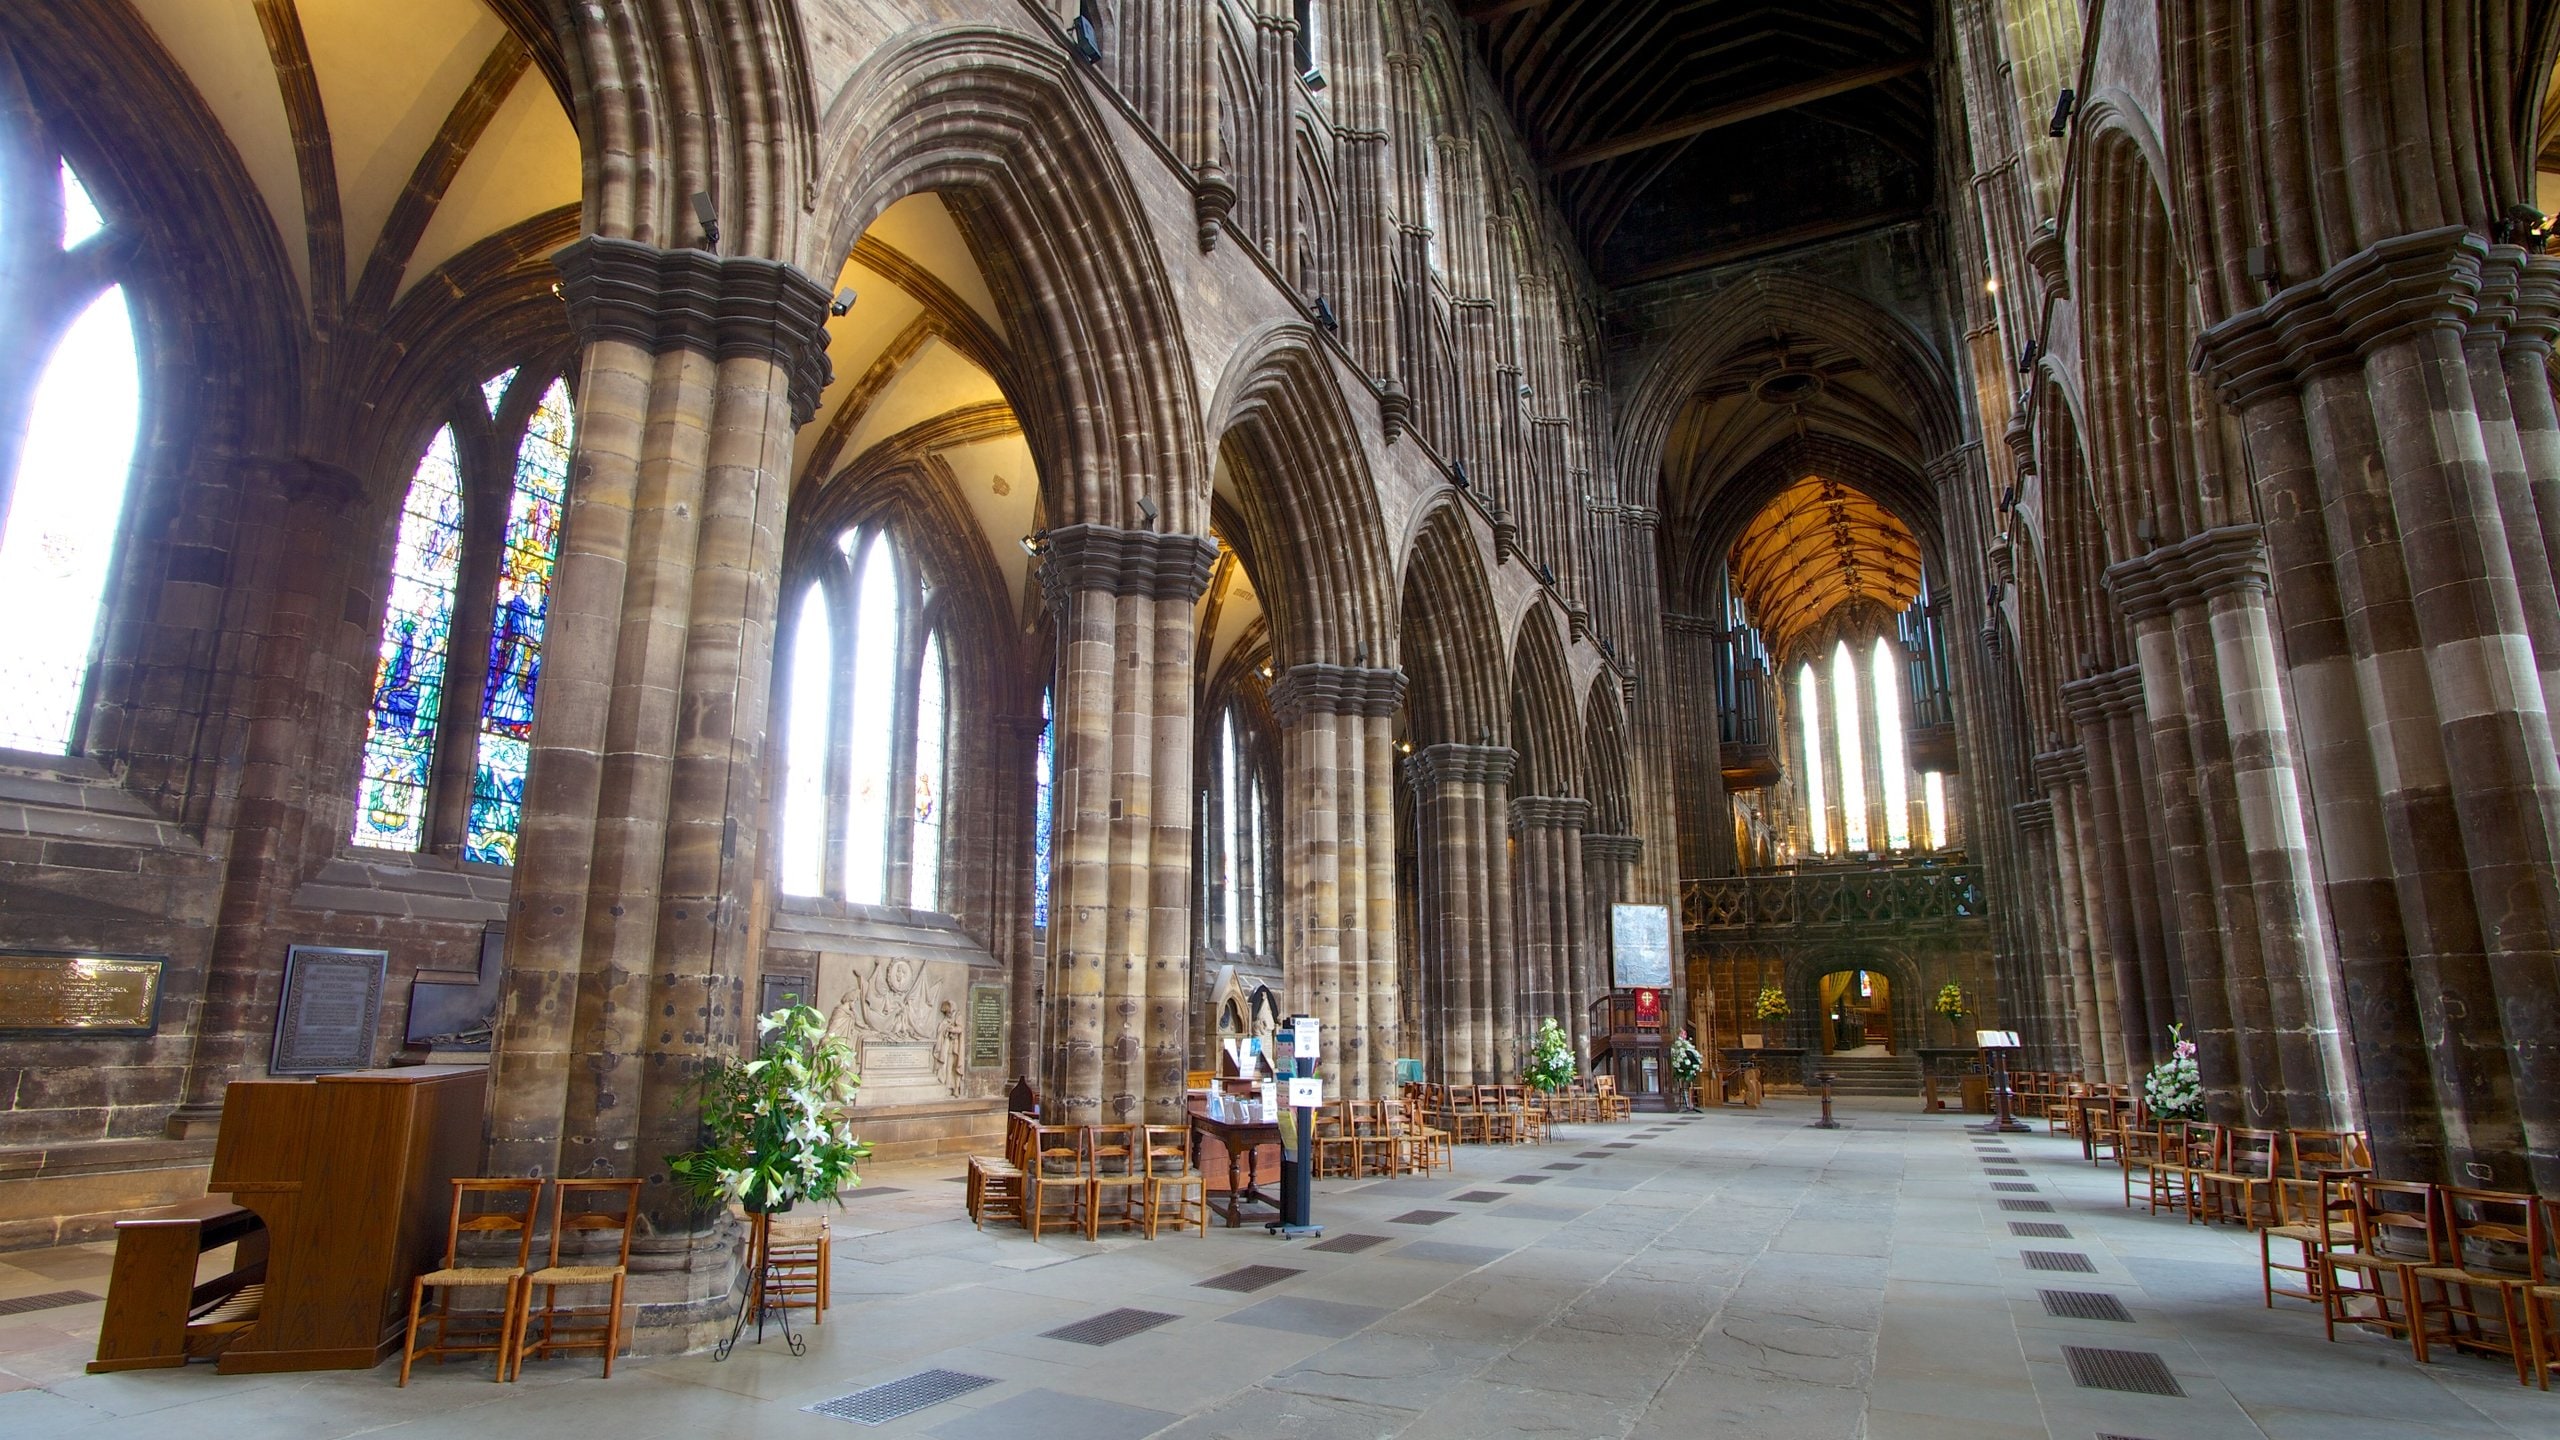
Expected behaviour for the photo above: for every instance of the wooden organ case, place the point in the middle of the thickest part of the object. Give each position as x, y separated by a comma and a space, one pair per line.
351, 1175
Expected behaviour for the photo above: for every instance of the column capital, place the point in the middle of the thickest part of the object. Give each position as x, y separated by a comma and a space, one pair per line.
1151, 563
1304, 690
1639, 517
2383, 293
2034, 817
1549, 812
1617, 849
2190, 571
2096, 699
1434, 766
2062, 769
723, 306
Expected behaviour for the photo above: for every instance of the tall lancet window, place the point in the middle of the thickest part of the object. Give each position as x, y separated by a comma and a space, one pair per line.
1236, 836
1043, 782
1890, 757
532, 548
423, 688
1809, 728
409, 673
868, 701
1846, 714
64, 497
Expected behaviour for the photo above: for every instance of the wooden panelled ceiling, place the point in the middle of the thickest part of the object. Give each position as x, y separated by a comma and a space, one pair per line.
1680, 134
1817, 546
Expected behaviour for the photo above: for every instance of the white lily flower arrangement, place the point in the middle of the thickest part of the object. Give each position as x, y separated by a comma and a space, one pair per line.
777, 1129
2175, 1087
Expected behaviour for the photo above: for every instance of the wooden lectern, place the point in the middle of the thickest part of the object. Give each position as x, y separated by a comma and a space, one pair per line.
352, 1174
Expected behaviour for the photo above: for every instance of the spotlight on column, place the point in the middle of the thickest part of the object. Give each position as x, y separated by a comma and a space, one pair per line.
1360, 654
2146, 532
1458, 474
1325, 316
708, 214
2027, 357
843, 303
1146, 510
2063, 106
2008, 499
1547, 573
1036, 544
1084, 38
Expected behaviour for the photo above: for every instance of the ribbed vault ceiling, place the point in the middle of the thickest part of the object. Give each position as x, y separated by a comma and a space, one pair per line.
1817, 546
1684, 133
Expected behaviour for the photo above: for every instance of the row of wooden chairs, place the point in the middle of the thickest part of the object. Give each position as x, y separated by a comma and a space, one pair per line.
1089, 1177
2441, 1266
1378, 1137
1484, 1114
489, 1246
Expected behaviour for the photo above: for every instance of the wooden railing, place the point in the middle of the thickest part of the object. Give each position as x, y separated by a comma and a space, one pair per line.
1889, 895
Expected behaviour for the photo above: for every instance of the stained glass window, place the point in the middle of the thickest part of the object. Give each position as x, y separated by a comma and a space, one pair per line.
1809, 712
1043, 771
408, 686
494, 389
515, 628
65, 507
1230, 884
804, 785
1889, 753
932, 743
1934, 796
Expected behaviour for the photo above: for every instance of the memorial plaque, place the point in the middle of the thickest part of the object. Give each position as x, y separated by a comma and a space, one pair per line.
1640, 948
775, 991
47, 993
332, 998
986, 1027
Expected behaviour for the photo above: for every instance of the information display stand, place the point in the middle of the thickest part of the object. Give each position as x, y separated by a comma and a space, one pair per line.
1299, 1046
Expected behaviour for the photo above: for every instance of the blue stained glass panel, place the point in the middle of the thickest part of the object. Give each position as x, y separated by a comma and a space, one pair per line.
494, 389
1043, 775
515, 628
417, 625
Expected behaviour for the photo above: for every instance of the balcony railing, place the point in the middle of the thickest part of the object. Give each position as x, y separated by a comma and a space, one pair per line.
1888, 895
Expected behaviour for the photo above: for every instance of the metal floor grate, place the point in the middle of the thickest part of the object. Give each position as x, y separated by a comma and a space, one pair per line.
2040, 1229
2070, 1260
2002, 1170
50, 1300
1524, 1180
1250, 1278
861, 1190
1423, 1217
1592, 1155
2085, 1305
2015, 1187
1111, 1326
2028, 1207
1479, 1197
1619, 1145
1563, 1165
2137, 1371
898, 1398
1350, 1244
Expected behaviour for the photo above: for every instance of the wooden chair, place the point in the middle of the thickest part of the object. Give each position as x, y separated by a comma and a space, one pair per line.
491, 1212
1468, 1123
1115, 1165
995, 1181
1337, 1142
1511, 1102
2139, 1153
2242, 1187
2187, 1148
1173, 1186
2493, 1257
2315, 1215
2062, 1109
1057, 1168
2542, 1302
2398, 1230
2308, 1152
1433, 1148
2102, 1122
589, 1220
1613, 1106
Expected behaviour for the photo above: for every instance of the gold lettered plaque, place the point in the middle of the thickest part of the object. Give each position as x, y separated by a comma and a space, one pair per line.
986, 1026
44, 993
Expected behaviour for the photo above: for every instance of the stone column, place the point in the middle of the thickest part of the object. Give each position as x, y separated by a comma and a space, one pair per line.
1467, 879
1119, 954
2064, 774
1338, 861
2131, 952
2367, 364
1549, 833
638, 851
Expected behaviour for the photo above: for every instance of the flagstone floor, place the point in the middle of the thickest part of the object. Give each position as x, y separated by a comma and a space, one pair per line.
1730, 1275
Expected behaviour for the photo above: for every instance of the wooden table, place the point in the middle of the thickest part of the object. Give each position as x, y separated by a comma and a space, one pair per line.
1243, 1140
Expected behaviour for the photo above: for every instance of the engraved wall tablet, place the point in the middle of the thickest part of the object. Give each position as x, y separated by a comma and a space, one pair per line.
326, 1019
47, 993
1640, 946
986, 1027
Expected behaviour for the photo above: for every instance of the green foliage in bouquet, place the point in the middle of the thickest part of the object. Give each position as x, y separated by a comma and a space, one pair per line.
1551, 1066
2175, 1087
777, 1129
1950, 1003
1686, 1063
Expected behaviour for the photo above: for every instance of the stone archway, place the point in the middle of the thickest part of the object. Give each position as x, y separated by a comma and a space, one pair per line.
1905, 990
